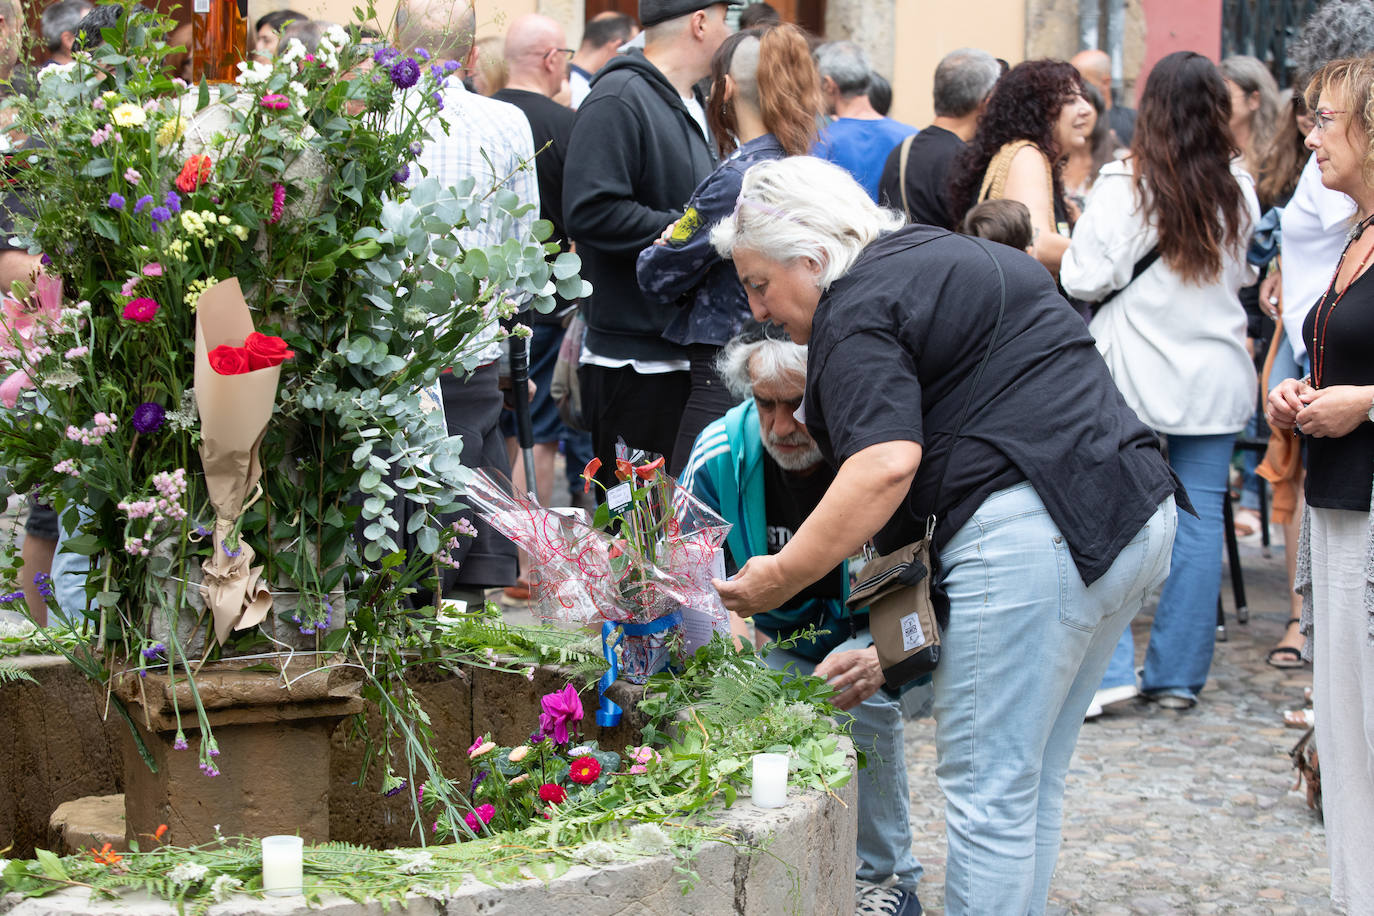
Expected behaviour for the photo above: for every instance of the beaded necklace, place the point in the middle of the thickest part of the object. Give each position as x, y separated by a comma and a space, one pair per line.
1320, 326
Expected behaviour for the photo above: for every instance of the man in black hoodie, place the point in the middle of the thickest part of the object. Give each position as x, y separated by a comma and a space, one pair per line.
638, 150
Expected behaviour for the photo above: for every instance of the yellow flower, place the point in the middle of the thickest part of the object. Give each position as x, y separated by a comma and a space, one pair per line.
240, 231
192, 297
129, 115
170, 131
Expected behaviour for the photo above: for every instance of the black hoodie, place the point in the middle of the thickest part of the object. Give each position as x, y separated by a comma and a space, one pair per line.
635, 157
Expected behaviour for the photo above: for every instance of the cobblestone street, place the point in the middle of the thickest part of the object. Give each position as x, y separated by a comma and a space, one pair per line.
1177, 813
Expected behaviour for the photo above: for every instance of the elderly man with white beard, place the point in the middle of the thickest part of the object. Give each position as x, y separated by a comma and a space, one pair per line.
760, 469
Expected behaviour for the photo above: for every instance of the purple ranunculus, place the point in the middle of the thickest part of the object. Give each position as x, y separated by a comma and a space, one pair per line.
148, 417
116, 202
405, 73
561, 709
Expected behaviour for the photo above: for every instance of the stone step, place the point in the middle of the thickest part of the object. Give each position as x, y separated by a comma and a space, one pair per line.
88, 823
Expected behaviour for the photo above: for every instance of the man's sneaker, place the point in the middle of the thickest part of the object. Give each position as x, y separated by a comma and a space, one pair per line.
875, 900
1109, 695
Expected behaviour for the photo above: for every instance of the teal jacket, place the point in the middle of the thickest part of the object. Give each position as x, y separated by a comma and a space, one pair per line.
725, 471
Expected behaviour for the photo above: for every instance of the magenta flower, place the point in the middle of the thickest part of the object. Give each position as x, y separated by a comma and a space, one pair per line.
479, 817
278, 201
560, 709
275, 101
141, 309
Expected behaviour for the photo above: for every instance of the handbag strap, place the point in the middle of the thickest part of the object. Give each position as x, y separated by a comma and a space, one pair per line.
1140, 267
902, 159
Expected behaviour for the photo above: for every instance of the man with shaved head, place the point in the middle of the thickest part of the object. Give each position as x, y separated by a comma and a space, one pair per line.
1096, 68
537, 60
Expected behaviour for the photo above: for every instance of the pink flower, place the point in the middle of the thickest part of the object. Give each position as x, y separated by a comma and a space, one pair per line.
480, 817
152, 270
560, 709
278, 202
128, 288
131, 176
276, 102
638, 768
10, 388
100, 135
141, 310
77, 352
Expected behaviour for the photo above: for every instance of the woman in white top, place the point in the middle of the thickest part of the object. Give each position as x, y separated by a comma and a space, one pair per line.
1174, 336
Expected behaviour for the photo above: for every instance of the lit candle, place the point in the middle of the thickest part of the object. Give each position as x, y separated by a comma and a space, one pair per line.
281, 865
770, 780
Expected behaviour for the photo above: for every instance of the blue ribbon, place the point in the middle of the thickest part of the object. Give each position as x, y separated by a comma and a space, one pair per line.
612, 632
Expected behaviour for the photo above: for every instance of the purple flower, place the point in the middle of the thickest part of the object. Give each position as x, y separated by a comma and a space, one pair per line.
477, 781
202, 531
396, 789
45, 260
116, 202
231, 553
438, 101
43, 581
382, 55
154, 651
436, 71
404, 73
143, 203
172, 201
148, 417
160, 215
417, 148
401, 174
422, 54
12, 596
560, 709
180, 744
450, 66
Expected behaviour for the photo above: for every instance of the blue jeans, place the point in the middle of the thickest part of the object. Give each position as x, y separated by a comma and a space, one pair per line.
1183, 634
884, 846
1025, 649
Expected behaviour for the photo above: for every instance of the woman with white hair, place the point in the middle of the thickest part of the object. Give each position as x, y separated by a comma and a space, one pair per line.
1055, 510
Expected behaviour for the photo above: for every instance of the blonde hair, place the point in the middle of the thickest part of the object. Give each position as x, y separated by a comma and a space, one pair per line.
1353, 80
804, 207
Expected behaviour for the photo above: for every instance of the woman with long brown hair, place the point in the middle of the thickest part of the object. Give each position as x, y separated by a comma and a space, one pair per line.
765, 95
1164, 235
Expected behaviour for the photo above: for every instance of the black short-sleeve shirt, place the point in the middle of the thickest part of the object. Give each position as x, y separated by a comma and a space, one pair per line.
1340, 340
932, 154
893, 350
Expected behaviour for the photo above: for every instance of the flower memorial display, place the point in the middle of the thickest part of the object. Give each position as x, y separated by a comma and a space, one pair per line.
513, 787
644, 557
145, 195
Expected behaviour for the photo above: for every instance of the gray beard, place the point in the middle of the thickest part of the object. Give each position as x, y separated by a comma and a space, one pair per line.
795, 461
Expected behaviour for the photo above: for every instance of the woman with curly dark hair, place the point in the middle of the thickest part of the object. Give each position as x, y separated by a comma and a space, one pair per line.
1166, 231
1035, 116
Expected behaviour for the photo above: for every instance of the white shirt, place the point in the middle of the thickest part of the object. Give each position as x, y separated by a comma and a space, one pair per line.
1314, 225
578, 87
492, 141
1176, 350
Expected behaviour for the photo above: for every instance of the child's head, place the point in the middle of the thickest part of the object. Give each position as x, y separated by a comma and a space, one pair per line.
1005, 221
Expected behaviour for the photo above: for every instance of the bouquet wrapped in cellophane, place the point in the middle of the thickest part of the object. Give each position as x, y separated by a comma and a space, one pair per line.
641, 567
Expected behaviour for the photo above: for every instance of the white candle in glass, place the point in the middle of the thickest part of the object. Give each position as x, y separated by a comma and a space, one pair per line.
769, 788
282, 872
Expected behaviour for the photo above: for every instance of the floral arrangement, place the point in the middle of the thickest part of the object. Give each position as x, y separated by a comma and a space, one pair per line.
141, 193
642, 561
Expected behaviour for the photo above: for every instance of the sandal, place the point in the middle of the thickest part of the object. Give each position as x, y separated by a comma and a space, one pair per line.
1286, 657
1298, 718
1246, 522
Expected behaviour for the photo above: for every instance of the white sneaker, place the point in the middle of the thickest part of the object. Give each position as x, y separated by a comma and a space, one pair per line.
1109, 695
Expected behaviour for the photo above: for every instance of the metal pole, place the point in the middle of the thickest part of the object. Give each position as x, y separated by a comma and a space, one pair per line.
524, 429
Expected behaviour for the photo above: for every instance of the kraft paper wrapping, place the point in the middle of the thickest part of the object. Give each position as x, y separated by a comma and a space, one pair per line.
234, 412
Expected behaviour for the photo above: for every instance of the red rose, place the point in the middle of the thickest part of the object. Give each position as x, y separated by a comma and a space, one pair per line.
265, 351
584, 770
193, 173
227, 360
552, 793
647, 471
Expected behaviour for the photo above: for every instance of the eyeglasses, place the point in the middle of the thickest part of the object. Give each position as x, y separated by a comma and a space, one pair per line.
568, 51
1325, 117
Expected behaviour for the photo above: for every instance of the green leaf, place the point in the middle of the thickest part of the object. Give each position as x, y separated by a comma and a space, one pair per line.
203, 97
84, 544
104, 226
107, 599
475, 262
52, 865
97, 168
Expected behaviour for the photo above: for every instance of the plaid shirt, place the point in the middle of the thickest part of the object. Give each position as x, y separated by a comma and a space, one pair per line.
491, 141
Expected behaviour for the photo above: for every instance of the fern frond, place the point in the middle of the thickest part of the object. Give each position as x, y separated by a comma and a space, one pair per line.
10, 674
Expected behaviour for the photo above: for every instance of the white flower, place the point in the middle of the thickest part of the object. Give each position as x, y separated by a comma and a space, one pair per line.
10, 629
297, 88
187, 873
337, 36
294, 51
251, 74
581, 750
597, 852
54, 70
223, 888
649, 838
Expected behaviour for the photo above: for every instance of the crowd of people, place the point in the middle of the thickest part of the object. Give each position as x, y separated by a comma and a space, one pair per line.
1040, 321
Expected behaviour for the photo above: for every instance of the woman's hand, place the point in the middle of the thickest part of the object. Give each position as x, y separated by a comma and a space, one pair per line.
1271, 293
856, 675
1286, 400
1335, 411
760, 586
667, 233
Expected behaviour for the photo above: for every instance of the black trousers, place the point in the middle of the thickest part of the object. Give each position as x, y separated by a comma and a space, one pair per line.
644, 410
